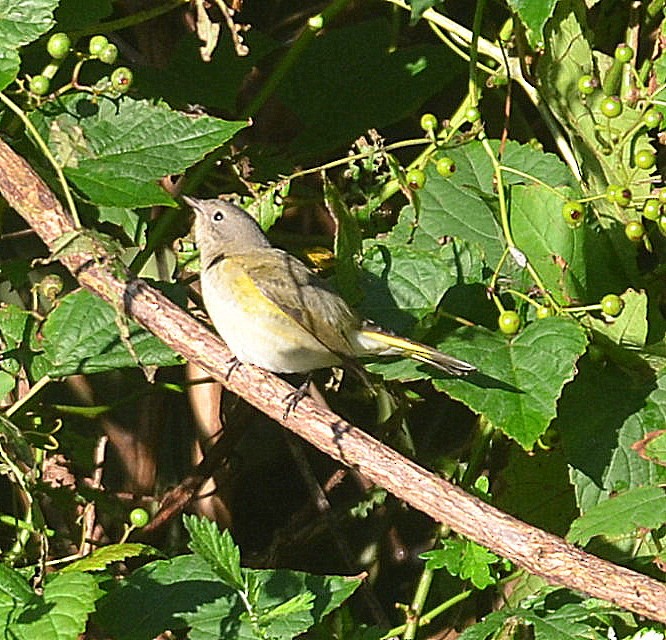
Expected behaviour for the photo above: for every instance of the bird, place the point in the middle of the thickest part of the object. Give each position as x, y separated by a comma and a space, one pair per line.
276, 313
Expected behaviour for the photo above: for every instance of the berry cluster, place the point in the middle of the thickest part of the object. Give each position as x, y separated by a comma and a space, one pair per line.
59, 46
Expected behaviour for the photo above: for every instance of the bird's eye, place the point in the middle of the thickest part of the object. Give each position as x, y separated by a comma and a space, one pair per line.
218, 216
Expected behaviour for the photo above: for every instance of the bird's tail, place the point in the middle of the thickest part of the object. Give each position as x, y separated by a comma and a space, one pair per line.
377, 341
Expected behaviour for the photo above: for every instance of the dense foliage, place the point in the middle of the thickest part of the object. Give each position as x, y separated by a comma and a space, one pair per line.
481, 177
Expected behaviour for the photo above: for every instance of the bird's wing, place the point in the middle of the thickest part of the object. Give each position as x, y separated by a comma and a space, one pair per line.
312, 303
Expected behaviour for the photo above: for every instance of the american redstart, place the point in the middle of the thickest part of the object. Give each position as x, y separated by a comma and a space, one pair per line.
274, 312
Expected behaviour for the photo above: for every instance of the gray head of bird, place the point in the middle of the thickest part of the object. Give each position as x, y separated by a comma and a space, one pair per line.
222, 228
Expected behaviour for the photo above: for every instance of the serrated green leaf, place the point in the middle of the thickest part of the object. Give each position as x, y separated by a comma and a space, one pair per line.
15, 593
475, 565
616, 412
115, 152
534, 14
556, 251
81, 336
520, 379
154, 596
403, 284
642, 507
217, 548
101, 558
61, 613
630, 328
13, 333
654, 447
21, 22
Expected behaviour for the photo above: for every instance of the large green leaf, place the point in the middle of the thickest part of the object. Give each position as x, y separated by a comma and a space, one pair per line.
61, 613
115, 152
82, 335
520, 379
642, 507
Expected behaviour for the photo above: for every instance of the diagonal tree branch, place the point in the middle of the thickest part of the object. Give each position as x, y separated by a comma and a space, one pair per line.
539, 552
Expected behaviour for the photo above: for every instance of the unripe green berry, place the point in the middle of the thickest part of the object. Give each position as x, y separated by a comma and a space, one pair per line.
611, 304
573, 213
623, 196
139, 517
445, 167
97, 44
58, 45
121, 79
661, 224
109, 54
509, 322
651, 209
587, 84
644, 159
429, 122
39, 85
473, 114
652, 118
662, 196
544, 311
623, 53
634, 230
611, 106
416, 179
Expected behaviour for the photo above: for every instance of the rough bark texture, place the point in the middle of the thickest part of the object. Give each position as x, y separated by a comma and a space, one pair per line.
539, 552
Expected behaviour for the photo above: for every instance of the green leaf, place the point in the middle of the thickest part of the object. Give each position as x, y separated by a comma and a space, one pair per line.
81, 335
556, 251
353, 78
616, 412
101, 558
520, 379
404, 284
154, 597
534, 14
21, 22
653, 447
536, 489
642, 507
217, 549
13, 333
465, 559
15, 593
61, 613
630, 328
115, 152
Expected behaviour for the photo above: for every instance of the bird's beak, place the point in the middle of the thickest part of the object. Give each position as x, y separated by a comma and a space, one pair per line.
195, 203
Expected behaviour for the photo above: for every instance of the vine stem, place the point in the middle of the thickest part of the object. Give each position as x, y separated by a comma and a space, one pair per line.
43, 147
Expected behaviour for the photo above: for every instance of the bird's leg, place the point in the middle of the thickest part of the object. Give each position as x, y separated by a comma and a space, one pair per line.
234, 364
296, 396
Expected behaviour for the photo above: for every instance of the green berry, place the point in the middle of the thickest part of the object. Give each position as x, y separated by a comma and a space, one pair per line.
573, 213
662, 196
509, 322
611, 192
644, 159
587, 84
139, 517
416, 179
634, 230
121, 79
651, 209
544, 311
623, 197
652, 118
611, 304
58, 45
445, 167
611, 106
39, 85
109, 54
429, 122
623, 53
472, 114
97, 44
